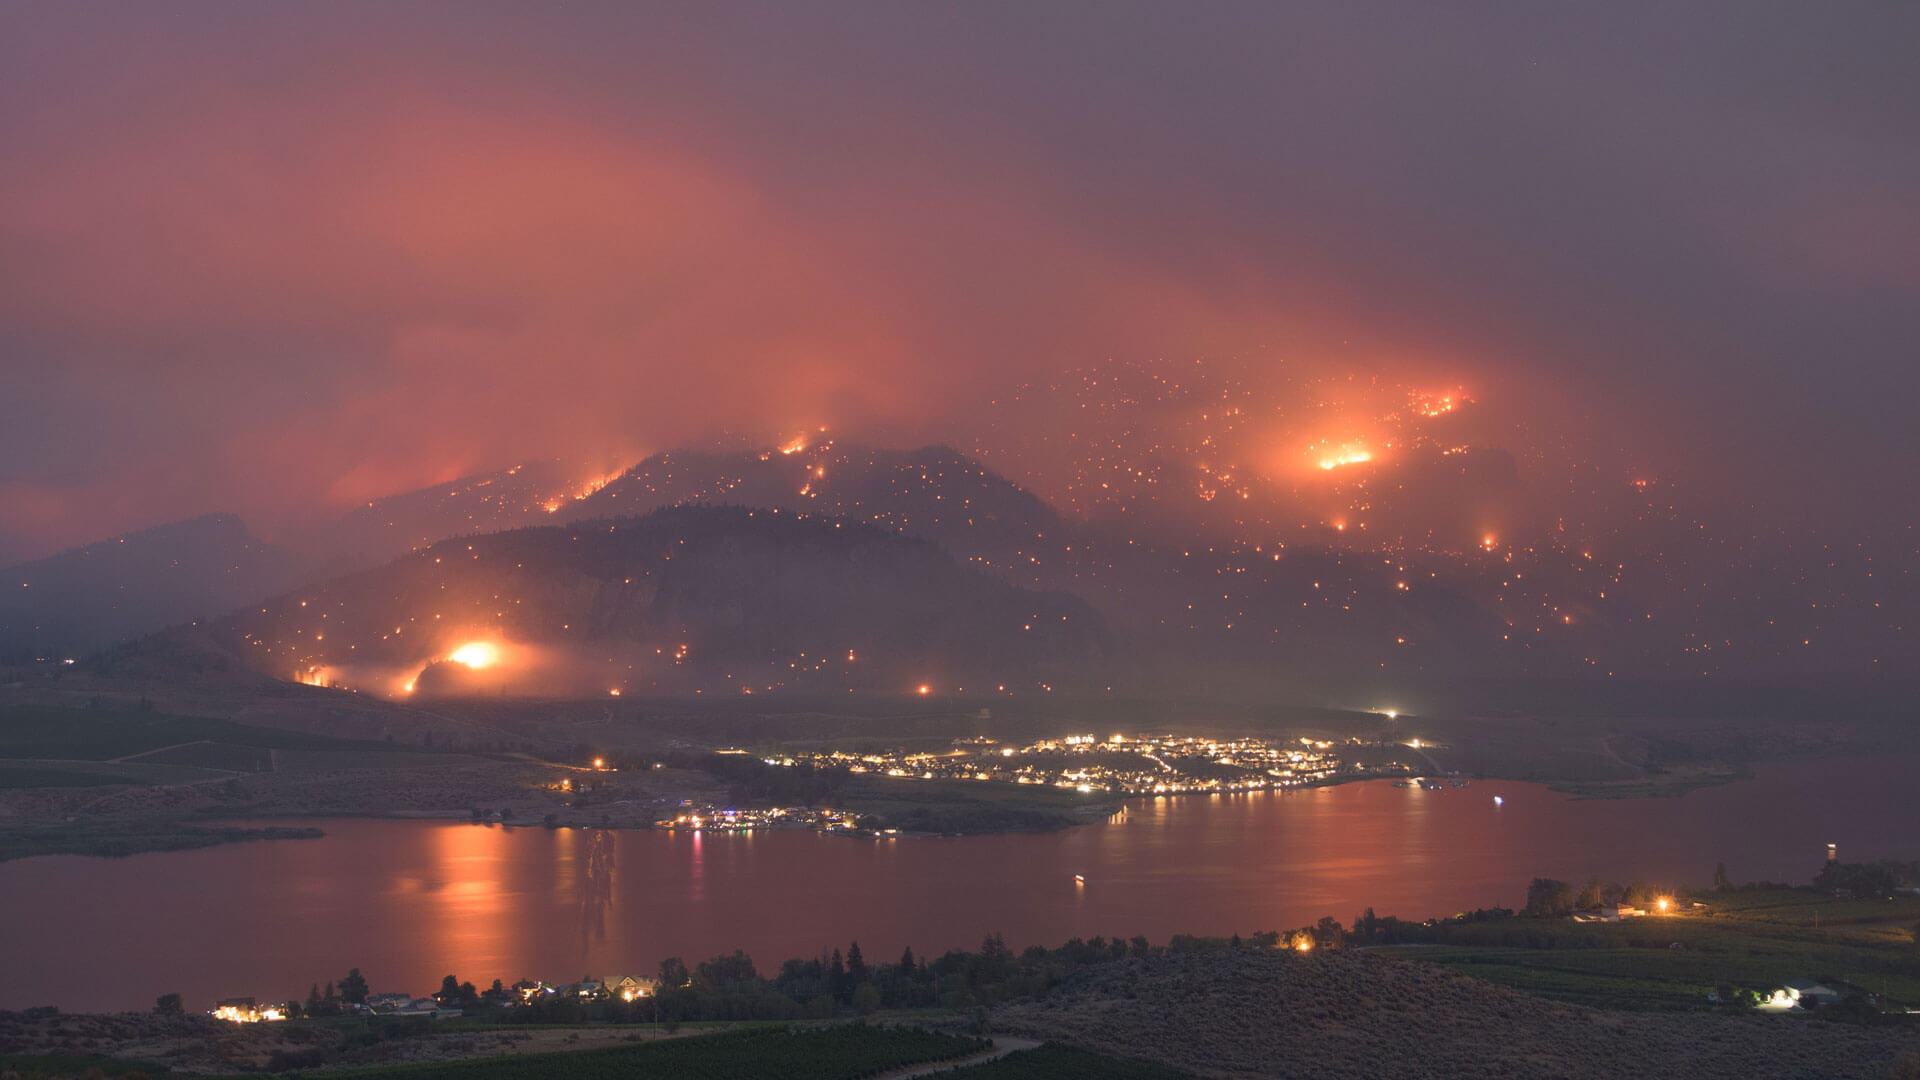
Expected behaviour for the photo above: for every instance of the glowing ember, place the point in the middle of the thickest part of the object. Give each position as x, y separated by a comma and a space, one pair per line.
476, 654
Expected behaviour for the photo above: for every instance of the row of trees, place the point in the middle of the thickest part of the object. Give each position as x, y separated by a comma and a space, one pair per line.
731, 987
1550, 897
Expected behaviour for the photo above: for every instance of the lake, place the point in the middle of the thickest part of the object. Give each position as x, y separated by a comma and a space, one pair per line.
410, 901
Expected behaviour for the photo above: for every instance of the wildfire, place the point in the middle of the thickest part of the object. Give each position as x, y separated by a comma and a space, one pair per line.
1431, 405
1346, 457
476, 654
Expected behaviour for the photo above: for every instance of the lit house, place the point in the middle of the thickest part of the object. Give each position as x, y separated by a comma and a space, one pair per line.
630, 987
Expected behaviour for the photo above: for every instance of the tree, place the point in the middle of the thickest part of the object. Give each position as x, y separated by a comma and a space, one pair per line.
449, 991
1592, 896
907, 964
170, 1005
353, 988
856, 964
1864, 881
1549, 896
673, 973
837, 981
1720, 882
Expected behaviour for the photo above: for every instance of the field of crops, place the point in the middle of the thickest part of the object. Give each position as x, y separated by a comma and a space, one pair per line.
1053, 1061
1756, 939
845, 1052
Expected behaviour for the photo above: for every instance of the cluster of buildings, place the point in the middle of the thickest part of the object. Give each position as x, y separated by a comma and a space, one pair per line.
627, 988
709, 818
1120, 764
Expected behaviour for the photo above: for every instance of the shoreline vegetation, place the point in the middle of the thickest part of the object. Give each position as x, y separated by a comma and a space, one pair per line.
1696, 985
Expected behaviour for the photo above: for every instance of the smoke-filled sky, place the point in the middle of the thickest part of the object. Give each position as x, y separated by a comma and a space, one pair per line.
277, 258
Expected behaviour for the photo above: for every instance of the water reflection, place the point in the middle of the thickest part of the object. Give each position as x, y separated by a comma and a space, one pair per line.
408, 902
595, 888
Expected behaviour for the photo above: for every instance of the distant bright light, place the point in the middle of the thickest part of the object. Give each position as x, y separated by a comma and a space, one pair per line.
1664, 904
476, 654
1393, 714
925, 690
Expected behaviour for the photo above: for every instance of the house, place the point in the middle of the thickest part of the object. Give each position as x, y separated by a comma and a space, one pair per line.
1617, 912
589, 988
1811, 992
418, 1007
527, 989
629, 987
240, 1010
386, 1003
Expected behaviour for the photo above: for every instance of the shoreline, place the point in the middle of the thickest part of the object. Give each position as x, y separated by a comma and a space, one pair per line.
217, 828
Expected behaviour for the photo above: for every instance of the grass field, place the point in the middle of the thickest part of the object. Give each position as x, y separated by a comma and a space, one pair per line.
1052, 1061
32, 774
24, 841
79, 1065
1756, 939
32, 732
845, 1052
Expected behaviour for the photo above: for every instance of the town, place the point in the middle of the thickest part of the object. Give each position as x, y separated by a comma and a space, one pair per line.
1120, 764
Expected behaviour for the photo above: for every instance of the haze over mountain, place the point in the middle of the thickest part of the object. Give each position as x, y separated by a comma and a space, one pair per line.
525, 494
70, 604
1208, 569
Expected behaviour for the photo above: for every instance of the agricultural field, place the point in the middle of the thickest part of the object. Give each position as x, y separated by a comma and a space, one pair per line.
1053, 1061
843, 1052
1755, 939
1346, 1014
56, 734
